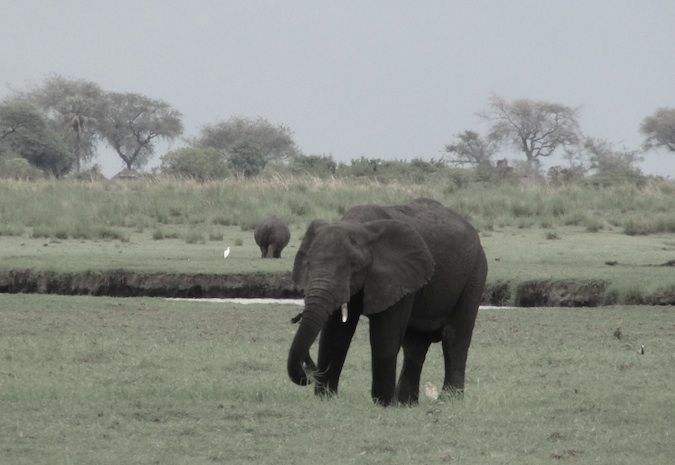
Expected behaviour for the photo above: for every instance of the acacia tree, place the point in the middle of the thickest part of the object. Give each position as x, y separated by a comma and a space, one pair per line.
472, 149
75, 108
610, 163
536, 128
24, 133
133, 122
659, 129
17, 116
248, 145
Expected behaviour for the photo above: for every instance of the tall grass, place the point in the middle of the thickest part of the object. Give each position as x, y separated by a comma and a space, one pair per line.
99, 210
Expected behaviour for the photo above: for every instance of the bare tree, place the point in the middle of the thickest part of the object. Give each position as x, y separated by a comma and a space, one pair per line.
536, 128
133, 123
659, 129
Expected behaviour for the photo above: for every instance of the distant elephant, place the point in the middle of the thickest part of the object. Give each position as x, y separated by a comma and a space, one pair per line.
271, 235
417, 271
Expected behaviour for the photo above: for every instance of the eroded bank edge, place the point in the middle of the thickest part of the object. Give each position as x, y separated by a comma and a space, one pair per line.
123, 283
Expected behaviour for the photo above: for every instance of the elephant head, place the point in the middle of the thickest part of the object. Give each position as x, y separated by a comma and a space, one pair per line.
386, 259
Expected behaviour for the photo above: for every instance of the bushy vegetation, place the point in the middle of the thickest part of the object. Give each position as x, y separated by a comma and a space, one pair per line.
96, 209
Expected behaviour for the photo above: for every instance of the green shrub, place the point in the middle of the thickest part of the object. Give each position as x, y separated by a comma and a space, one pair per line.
18, 168
215, 235
11, 230
323, 166
593, 224
199, 163
194, 237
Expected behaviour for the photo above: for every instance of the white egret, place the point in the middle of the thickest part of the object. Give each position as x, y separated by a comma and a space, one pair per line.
226, 253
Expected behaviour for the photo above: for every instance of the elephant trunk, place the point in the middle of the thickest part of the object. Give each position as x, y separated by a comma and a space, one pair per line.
317, 310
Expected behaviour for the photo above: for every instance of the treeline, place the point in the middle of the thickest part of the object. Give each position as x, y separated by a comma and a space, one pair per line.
56, 128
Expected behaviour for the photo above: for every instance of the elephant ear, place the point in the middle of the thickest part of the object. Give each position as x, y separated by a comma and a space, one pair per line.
401, 264
299, 265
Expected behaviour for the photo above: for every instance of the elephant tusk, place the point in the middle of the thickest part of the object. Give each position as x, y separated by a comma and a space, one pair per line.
344, 312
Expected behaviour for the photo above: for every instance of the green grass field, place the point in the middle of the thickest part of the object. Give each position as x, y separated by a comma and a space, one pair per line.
140, 381
514, 254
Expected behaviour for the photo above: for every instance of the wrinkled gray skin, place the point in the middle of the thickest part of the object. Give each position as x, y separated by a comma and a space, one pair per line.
417, 271
271, 235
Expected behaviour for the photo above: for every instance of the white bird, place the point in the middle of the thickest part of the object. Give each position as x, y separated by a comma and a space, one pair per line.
431, 391
226, 253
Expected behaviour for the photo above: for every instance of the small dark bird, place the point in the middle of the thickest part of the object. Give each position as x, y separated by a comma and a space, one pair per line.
642, 349
618, 334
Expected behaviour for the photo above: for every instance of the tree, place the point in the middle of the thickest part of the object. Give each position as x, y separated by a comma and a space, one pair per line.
201, 163
611, 164
247, 158
133, 122
659, 129
75, 108
17, 116
248, 144
535, 128
472, 149
24, 133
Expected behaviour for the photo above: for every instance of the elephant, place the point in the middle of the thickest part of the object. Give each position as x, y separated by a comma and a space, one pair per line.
416, 271
271, 235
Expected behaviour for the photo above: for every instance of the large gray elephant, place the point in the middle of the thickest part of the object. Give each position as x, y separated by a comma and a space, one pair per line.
271, 235
417, 271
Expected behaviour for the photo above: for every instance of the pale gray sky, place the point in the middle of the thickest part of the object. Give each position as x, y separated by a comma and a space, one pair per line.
387, 79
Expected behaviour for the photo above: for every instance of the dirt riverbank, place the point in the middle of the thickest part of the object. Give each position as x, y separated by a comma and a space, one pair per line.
120, 283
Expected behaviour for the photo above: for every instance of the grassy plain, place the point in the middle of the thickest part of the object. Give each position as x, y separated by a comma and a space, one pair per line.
137, 381
515, 255
179, 226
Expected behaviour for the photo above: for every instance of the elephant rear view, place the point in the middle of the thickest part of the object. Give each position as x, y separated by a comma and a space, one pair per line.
417, 271
271, 235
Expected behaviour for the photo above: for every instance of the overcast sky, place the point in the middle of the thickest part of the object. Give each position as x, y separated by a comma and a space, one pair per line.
385, 79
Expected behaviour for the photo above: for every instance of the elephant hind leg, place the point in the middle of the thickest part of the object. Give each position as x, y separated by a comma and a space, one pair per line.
415, 347
263, 251
456, 336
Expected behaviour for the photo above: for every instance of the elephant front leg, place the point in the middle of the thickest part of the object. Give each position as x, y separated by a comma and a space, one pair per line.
336, 336
386, 336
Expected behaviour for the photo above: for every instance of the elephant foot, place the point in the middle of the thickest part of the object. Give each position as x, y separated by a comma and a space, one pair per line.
451, 393
323, 391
